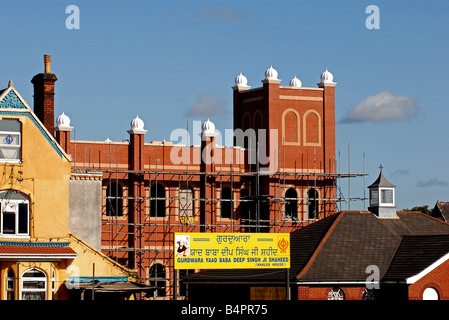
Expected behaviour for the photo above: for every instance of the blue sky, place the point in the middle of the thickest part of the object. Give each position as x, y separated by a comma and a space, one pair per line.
166, 60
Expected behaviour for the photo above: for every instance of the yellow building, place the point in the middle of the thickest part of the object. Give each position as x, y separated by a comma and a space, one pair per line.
39, 258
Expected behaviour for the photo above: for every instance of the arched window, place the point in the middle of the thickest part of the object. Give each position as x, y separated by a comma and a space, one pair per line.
312, 208
10, 285
157, 279
34, 285
186, 204
291, 204
15, 214
368, 294
430, 294
157, 202
335, 294
290, 127
225, 204
114, 200
312, 128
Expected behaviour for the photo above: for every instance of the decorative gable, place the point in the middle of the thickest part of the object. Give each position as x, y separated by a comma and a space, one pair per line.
11, 101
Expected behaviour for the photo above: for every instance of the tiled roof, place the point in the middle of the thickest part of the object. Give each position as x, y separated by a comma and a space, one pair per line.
361, 239
414, 254
13, 248
441, 211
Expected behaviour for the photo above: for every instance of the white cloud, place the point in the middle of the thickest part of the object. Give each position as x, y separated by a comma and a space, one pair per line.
432, 183
383, 106
206, 105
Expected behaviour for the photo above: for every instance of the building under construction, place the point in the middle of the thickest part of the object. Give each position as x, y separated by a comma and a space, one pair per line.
128, 198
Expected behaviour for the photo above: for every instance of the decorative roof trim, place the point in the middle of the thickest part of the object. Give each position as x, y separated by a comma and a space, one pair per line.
34, 244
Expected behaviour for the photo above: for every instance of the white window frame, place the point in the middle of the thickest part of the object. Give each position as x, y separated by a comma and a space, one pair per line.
33, 290
18, 146
6, 206
392, 195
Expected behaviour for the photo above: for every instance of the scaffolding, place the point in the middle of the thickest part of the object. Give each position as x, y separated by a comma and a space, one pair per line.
140, 237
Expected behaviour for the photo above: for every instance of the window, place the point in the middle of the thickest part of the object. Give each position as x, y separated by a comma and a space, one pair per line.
185, 202
10, 285
430, 294
368, 294
225, 204
157, 280
157, 202
312, 208
14, 214
386, 196
335, 294
374, 197
10, 140
291, 204
114, 199
34, 285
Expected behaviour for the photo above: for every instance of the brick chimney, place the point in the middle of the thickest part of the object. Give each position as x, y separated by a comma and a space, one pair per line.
44, 92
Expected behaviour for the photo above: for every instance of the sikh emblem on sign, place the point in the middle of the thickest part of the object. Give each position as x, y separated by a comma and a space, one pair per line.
283, 244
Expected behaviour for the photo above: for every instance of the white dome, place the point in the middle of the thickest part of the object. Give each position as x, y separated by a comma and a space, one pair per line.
209, 126
63, 121
241, 81
271, 74
295, 82
327, 77
137, 124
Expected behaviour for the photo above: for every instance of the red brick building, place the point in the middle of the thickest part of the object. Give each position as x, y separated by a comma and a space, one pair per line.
279, 175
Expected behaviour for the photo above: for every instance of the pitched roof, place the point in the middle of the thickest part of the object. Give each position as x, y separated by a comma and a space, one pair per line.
415, 253
441, 211
360, 239
381, 181
12, 104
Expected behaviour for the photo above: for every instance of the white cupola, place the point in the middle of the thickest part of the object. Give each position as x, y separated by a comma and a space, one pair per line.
327, 77
209, 129
63, 122
137, 126
241, 81
295, 82
382, 197
271, 74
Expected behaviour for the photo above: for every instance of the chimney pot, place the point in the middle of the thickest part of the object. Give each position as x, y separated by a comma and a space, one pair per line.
47, 61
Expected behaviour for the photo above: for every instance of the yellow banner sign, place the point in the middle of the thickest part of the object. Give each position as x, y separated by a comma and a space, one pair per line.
232, 250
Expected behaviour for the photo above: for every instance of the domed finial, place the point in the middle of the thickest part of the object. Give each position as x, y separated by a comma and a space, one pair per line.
271, 74
327, 77
137, 126
241, 81
209, 129
295, 82
63, 122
